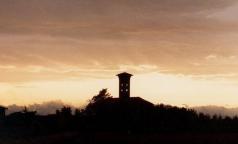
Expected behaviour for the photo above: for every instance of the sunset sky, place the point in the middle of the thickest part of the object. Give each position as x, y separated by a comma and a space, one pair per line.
181, 52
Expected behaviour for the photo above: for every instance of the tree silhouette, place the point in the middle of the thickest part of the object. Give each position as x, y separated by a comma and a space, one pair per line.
92, 107
102, 95
65, 111
77, 112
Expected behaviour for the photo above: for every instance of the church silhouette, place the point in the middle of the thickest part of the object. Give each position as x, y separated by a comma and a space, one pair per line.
124, 92
125, 108
125, 100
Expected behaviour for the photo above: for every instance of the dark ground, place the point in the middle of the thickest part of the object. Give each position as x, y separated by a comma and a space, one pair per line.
119, 138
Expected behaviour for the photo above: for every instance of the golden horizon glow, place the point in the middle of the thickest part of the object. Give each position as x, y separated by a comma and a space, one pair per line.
158, 88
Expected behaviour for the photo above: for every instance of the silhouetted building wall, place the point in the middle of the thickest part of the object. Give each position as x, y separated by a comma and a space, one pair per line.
124, 85
2, 112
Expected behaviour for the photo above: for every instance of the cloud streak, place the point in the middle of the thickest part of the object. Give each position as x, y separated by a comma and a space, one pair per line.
168, 34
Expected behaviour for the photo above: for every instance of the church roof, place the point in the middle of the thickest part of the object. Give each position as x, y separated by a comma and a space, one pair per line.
2, 108
132, 102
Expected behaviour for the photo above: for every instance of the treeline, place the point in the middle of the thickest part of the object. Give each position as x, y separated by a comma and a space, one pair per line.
163, 118
106, 114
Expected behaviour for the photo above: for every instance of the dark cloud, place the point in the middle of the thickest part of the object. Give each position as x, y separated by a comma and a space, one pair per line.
102, 17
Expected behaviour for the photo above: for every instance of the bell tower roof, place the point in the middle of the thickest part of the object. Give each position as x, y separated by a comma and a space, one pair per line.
124, 74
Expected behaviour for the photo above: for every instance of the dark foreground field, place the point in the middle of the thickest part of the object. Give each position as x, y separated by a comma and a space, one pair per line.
117, 138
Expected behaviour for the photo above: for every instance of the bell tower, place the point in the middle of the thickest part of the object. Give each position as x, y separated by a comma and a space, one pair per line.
124, 85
